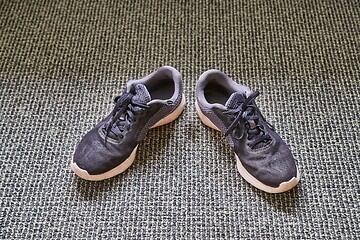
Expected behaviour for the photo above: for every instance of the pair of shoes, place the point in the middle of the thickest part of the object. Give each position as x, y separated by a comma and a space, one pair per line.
263, 159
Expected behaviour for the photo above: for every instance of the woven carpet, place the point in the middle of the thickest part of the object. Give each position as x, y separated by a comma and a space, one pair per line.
63, 62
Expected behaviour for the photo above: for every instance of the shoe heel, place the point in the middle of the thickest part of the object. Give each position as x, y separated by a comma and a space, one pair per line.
172, 116
205, 120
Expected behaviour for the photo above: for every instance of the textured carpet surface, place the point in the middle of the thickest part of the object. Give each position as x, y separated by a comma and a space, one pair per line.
62, 62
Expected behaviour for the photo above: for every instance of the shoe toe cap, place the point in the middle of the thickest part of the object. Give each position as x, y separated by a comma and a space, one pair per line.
277, 177
88, 158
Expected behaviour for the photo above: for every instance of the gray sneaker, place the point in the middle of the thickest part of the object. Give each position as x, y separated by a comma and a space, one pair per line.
263, 158
110, 147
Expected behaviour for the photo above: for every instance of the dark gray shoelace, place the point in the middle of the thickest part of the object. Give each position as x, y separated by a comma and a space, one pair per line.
122, 114
248, 114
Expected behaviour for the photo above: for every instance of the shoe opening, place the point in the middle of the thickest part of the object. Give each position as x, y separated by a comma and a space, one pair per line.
216, 93
161, 86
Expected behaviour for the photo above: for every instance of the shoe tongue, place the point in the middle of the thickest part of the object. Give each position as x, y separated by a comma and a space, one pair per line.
235, 100
141, 93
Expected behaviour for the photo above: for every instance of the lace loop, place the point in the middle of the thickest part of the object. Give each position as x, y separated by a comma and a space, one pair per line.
123, 114
248, 114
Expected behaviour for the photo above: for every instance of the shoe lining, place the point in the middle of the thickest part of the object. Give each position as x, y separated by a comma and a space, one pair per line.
216, 93
163, 89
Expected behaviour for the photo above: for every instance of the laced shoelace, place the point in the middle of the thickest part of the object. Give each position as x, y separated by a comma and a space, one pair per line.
122, 114
248, 113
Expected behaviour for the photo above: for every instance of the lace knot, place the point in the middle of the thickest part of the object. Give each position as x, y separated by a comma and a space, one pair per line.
126, 107
247, 114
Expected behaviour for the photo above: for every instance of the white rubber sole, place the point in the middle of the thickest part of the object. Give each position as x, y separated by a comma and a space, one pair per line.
127, 163
283, 187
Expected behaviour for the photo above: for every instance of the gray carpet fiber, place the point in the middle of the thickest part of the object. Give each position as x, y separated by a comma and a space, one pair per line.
63, 62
